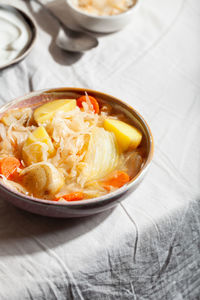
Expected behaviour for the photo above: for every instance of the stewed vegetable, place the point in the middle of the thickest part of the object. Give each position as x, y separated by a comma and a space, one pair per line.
68, 149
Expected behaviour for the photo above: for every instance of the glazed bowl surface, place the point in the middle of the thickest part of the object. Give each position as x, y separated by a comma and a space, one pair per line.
102, 24
83, 207
33, 33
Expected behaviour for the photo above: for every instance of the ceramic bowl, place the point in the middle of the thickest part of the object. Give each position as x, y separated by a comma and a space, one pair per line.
102, 24
86, 207
33, 32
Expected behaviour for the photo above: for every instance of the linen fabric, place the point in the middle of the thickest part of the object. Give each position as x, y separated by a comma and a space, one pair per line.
148, 247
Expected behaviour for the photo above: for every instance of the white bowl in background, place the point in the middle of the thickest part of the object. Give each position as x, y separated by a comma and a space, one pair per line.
103, 24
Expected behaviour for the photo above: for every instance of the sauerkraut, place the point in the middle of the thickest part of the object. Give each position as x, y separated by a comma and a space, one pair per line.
104, 7
63, 151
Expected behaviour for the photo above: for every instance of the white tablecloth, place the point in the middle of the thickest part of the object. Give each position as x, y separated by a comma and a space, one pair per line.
149, 246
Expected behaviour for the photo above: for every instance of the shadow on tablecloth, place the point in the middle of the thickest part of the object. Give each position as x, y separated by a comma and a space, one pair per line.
22, 232
51, 27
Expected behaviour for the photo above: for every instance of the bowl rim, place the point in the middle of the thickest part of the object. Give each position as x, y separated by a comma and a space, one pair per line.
33, 29
95, 200
104, 17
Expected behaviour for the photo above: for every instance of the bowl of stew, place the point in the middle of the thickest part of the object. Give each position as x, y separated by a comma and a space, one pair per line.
102, 16
71, 152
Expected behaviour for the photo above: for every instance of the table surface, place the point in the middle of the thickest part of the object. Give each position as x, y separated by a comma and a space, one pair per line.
148, 247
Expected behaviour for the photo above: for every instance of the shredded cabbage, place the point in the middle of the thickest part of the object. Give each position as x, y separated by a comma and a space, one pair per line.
104, 7
84, 151
13, 185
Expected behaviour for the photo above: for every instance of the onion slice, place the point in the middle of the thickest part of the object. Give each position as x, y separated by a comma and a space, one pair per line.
101, 157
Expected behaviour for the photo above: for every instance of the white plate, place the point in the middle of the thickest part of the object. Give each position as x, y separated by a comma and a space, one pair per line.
30, 27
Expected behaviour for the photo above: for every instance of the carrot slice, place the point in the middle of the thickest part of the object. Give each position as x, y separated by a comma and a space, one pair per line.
117, 179
8, 166
93, 102
75, 196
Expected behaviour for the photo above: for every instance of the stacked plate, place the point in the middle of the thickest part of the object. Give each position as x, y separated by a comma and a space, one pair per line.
17, 35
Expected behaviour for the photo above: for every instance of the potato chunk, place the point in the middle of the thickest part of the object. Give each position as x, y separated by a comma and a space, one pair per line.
45, 112
42, 136
38, 143
127, 136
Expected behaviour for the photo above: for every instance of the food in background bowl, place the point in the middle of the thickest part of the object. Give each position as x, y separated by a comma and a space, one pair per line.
103, 16
69, 149
104, 7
